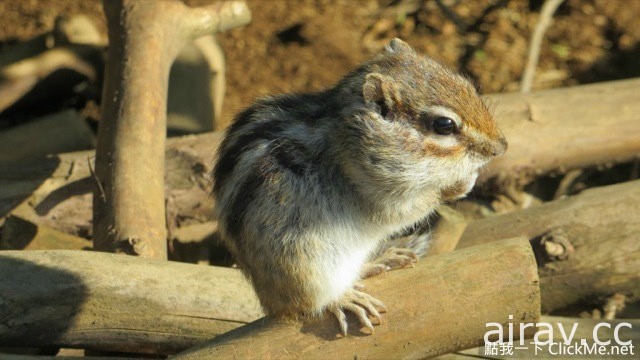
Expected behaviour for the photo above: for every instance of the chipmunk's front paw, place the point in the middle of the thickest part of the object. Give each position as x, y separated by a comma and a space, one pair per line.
393, 258
359, 303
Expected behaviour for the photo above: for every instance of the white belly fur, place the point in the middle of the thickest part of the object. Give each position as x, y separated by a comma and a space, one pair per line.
340, 270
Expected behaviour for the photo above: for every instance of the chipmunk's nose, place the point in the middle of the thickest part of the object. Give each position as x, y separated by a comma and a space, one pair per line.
499, 146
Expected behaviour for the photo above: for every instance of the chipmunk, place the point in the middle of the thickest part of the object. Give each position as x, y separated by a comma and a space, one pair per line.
308, 185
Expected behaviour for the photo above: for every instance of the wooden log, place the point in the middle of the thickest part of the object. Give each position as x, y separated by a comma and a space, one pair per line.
441, 305
144, 39
567, 128
591, 246
19, 77
447, 231
190, 158
117, 303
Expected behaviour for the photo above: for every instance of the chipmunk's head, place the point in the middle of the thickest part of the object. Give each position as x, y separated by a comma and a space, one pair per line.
437, 117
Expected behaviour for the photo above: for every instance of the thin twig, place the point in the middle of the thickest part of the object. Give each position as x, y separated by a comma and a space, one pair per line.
615, 304
566, 182
103, 195
546, 15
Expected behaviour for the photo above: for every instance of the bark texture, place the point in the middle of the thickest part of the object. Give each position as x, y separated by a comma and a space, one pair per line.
441, 305
561, 129
145, 36
586, 245
117, 303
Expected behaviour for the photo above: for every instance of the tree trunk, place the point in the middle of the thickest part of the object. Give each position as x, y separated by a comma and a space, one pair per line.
145, 37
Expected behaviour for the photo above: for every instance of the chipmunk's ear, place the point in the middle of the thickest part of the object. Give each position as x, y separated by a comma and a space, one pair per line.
379, 89
397, 46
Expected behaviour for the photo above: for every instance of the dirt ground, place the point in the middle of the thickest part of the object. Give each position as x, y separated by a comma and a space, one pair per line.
307, 45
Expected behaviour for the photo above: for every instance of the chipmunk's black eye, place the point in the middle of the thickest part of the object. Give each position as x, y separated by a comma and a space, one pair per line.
444, 125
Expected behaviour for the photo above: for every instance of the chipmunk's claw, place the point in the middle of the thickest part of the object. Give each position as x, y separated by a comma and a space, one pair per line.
393, 258
360, 304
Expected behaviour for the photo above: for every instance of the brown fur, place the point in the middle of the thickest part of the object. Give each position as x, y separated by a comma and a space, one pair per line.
453, 192
441, 152
414, 79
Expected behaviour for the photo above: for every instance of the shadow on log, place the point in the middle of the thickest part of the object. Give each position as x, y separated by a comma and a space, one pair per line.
127, 304
117, 303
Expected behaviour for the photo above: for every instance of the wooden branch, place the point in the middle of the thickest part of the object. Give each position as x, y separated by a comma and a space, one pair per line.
568, 128
544, 21
117, 303
214, 18
590, 246
145, 37
447, 231
441, 305
214, 56
18, 78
